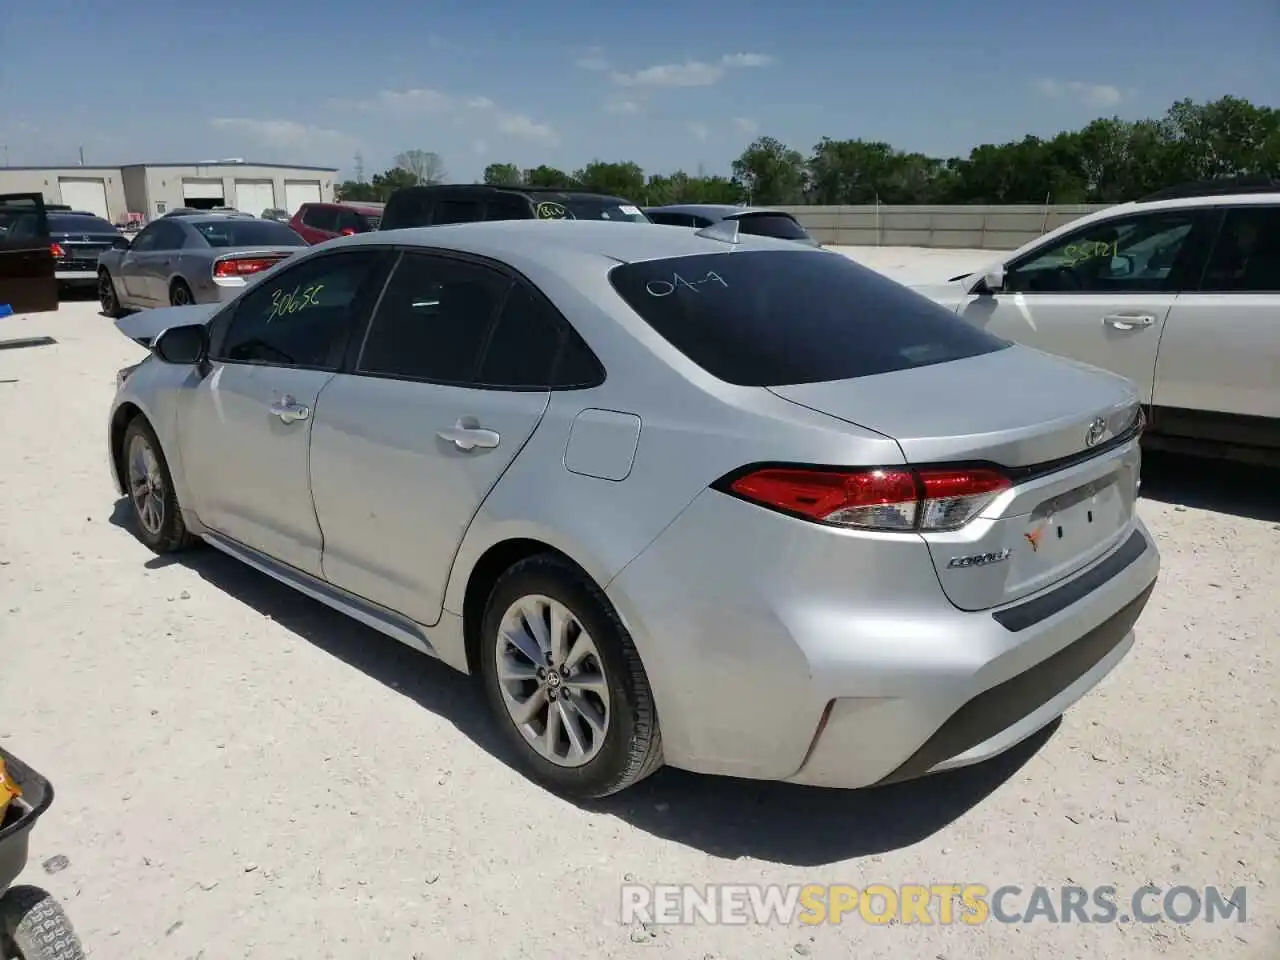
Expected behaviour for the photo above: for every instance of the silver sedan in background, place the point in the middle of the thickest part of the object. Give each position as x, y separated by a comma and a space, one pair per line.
737, 505
192, 259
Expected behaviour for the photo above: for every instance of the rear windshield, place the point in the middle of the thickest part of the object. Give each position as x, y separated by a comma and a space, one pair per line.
776, 317
248, 233
604, 208
771, 225
70, 223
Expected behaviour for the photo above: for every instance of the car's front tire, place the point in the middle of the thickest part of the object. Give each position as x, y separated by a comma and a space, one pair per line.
107, 295
565, 682
157, 515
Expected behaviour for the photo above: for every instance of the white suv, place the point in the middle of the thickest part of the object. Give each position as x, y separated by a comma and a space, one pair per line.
1179, 292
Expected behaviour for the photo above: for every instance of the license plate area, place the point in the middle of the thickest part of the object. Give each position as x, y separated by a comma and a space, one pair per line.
1070, 530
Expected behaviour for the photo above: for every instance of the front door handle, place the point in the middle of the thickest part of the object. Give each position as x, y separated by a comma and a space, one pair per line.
1128, 321
469, 438
289, 410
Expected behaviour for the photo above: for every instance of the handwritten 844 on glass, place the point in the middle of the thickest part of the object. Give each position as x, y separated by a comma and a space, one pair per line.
969, 904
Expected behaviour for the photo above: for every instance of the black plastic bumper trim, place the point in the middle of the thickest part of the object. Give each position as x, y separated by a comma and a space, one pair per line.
1042, 608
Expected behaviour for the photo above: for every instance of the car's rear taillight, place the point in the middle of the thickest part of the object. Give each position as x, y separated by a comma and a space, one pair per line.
243, 266
890, 498
57, 251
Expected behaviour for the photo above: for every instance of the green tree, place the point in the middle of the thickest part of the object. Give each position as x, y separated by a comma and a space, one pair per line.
618, 179
544, 176
771, 172
502, 174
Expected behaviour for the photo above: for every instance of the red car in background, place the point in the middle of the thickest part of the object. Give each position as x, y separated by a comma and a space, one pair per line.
318, 222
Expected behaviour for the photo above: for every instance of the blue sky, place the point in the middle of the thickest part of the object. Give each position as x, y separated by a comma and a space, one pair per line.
667, 83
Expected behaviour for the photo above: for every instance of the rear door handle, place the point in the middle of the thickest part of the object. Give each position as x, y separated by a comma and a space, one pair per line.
289, 410
1128, 321
469, 438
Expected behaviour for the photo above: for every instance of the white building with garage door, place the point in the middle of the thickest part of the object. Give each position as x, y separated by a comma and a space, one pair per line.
154, 189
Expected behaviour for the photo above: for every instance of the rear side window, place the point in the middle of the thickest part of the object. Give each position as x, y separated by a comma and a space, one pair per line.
531, 348
776, 317
1246, 257
321, 218
508, 208
409, 207
771, 225
457, 211
433, 320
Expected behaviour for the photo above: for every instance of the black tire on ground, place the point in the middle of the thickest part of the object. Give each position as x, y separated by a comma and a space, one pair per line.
632, 747
33, 926
180, 294
169, 534
107, 295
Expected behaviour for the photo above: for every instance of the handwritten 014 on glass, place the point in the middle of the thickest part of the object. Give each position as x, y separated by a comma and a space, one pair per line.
664, 288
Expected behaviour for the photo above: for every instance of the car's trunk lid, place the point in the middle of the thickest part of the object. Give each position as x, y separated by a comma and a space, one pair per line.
1058, 429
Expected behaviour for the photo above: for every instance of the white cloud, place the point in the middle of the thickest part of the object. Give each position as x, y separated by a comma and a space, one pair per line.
592, 58
1092, 94
622, 106
520, 127
691, 73
284, 134
746, 125
699, 130
480, 103
412, 102
746, 60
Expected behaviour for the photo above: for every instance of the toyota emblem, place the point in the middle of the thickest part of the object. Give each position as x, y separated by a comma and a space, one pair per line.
1096, 431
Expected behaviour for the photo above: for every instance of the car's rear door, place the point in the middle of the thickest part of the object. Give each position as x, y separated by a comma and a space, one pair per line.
409, 441
245, 428
1100, 294
1218, 373
27, 283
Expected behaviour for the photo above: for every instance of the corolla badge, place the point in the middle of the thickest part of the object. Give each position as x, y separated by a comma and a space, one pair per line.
979, 559
1097, 430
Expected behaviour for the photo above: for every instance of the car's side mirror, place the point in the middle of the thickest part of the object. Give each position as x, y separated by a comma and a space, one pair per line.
122, 243
185, 345
988, 282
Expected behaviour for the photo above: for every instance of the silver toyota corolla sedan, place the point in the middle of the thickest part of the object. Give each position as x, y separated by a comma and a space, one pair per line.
724, 502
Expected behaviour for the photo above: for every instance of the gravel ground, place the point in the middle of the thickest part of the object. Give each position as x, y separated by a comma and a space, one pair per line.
242, 774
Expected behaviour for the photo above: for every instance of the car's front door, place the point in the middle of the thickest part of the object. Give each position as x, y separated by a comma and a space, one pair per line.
245, 430
407, 445
158, 261
1100, 294
27, 283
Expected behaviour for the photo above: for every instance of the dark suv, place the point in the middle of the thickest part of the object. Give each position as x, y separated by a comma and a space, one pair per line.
434, 205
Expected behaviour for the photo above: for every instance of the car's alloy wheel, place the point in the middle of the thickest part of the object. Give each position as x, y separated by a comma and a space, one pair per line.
181, 295
552, 681
565, 682
107, 294
147, 487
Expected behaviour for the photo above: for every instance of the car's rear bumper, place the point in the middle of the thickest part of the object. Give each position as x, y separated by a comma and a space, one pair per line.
77, 276
780, 650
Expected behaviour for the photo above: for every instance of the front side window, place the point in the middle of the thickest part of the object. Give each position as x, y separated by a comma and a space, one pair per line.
321, 218
1246, 256
776, 317
433, 320
302, 316
1140, 254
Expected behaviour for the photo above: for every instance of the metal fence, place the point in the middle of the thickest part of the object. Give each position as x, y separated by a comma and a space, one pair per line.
965, 227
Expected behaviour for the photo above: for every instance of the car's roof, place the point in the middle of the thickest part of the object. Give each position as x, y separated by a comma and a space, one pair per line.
550, 242
531, 192
713, 211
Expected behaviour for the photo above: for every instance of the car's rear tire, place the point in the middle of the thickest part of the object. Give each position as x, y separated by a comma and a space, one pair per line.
157, 515
565, 683
107, 295
33, 926
180, 294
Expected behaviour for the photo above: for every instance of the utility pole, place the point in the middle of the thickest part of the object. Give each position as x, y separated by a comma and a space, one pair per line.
359, 168
82, 156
